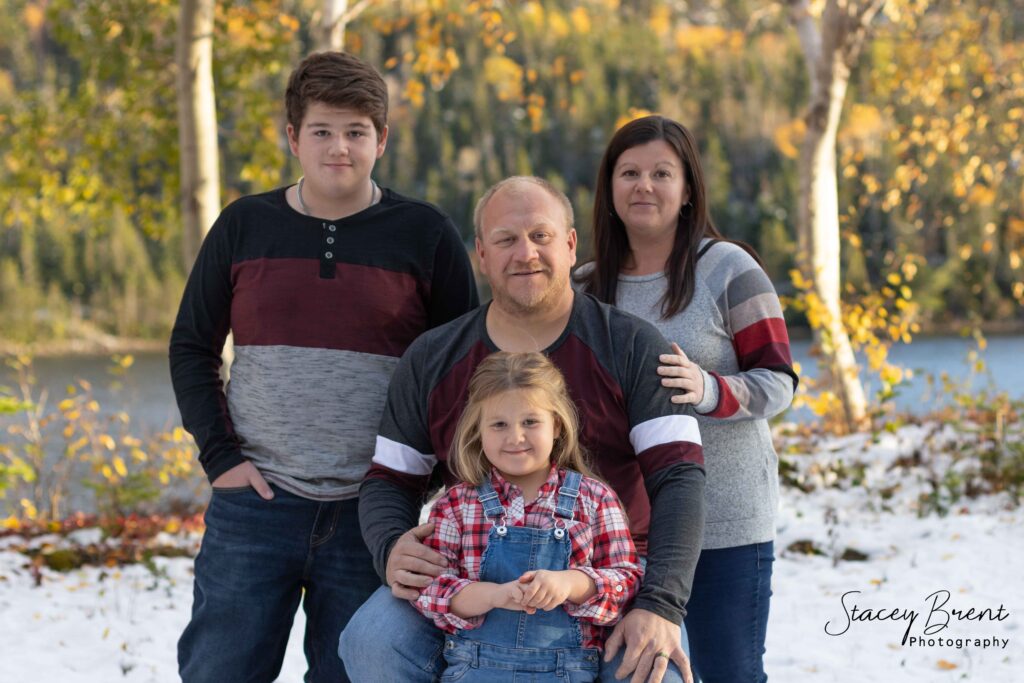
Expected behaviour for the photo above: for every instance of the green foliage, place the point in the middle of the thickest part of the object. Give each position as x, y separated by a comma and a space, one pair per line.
929, 148
985, 441
48, 449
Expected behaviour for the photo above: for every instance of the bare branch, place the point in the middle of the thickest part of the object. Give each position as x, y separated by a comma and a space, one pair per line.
760, 14
809, 33
353, 11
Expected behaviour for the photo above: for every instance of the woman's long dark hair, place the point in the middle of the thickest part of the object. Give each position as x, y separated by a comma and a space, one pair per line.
611, 245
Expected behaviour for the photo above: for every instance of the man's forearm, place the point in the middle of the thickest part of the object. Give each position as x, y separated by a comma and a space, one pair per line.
674, 540
386, 511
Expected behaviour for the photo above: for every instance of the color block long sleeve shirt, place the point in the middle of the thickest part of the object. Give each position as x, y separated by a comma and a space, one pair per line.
733, 329
321, 311
647, 448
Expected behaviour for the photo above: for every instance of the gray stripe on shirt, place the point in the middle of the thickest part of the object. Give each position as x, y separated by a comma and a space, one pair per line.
315, 438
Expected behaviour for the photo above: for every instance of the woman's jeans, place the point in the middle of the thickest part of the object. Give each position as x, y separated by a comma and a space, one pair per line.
727, 615
258, 559
387, 640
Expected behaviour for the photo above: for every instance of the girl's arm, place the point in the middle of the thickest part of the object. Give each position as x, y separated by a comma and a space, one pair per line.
435, 601
453, 600
546, 590
613, 563
480, 597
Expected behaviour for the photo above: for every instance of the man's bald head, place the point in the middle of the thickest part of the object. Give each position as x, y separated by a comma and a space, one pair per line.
516, 185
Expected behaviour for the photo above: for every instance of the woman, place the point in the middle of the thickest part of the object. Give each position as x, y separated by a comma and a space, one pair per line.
659, 256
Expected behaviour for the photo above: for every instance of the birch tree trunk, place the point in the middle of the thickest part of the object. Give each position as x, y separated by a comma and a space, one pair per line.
334, 18
831, 47
197, 125
197, 136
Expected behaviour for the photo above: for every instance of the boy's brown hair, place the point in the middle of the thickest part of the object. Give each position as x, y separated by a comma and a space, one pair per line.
337, 79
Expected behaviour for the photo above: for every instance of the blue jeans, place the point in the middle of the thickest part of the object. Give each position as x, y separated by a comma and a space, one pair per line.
258, 559
727, 616
387, 640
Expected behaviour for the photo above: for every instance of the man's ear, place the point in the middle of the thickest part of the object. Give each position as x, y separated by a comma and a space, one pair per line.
382, 143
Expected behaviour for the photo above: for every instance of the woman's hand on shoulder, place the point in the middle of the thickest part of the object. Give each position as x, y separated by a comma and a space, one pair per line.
679, 372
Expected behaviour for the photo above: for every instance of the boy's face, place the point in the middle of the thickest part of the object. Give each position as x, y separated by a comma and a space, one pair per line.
337, 149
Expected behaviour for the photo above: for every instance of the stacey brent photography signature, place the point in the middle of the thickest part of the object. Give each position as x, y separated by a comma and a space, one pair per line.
938, 616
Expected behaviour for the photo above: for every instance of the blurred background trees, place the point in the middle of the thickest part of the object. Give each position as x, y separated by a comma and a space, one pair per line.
930, 200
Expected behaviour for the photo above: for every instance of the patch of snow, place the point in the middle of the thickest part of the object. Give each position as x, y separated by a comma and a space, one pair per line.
98, 625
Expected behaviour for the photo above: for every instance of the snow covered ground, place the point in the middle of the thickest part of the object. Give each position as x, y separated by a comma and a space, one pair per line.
105, 625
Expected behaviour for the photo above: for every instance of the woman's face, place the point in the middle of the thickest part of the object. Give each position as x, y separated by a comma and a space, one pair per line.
649, 189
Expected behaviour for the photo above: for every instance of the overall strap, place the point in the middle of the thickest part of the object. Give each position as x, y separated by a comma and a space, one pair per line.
489, 499
568, 492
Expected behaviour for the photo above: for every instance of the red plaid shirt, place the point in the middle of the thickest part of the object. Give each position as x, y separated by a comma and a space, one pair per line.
601, 548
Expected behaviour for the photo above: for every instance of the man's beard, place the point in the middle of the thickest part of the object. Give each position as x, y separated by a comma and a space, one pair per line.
536, 303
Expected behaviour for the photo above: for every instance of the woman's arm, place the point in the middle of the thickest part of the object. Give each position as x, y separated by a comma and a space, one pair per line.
764, 384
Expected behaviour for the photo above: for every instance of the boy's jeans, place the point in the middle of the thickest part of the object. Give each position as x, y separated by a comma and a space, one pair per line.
390, 641
258, 559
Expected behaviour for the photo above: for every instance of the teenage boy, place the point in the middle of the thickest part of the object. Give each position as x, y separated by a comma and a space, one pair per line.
323, 284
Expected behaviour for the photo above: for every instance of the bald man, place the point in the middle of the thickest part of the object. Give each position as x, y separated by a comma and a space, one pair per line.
647, 448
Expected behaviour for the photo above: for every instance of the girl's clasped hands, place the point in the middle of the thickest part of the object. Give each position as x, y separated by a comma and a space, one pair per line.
541, 589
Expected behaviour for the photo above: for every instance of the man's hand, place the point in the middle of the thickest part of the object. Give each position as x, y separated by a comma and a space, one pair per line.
412, 565
645, 634
244, 474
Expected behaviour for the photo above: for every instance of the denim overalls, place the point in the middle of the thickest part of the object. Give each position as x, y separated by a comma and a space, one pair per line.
513, 646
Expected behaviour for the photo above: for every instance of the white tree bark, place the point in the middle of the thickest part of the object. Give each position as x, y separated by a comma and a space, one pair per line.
197, 135
831, 47
197, 125
334, 18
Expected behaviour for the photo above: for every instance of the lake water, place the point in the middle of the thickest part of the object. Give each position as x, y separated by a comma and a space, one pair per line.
147, 396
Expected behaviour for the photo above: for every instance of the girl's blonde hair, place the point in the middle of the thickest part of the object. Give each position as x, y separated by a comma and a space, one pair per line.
505, 371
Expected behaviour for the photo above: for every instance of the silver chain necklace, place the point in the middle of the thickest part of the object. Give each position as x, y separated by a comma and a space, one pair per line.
374, 198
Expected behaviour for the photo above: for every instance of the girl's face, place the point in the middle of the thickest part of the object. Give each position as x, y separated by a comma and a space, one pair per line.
517, 433
649, 189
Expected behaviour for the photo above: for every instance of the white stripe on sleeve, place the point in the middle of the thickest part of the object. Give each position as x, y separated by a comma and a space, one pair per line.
402, 458
663, 430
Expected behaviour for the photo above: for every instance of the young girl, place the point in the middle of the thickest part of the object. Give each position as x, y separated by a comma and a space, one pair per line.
540, 559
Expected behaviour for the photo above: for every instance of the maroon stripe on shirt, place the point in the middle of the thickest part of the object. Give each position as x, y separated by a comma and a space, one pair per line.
771, 356
658, 457
727, 403
409, 482
363, 308
604, 431
770, 331
446, 403
604, 423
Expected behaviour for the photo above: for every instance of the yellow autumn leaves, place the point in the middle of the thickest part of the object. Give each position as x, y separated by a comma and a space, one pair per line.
874, 321
116, 463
